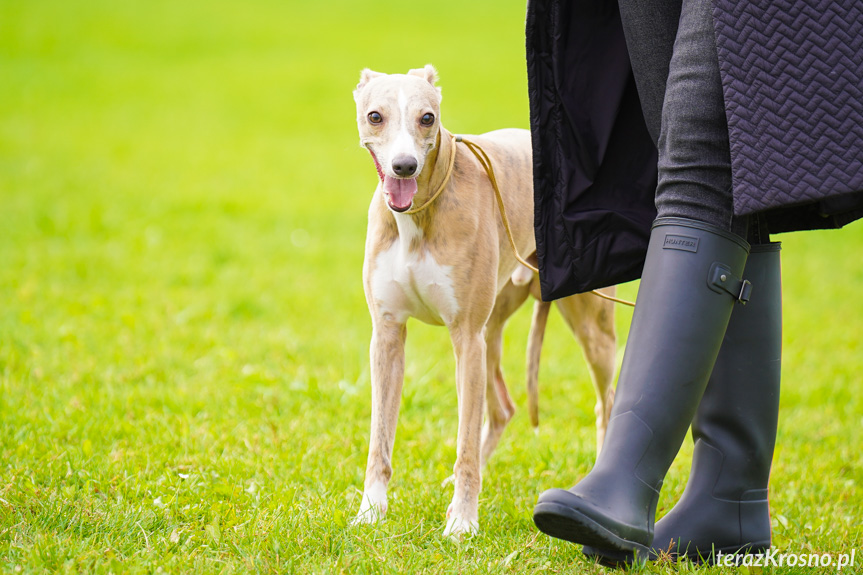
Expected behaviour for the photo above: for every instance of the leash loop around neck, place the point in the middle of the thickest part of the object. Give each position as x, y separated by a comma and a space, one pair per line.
447, 174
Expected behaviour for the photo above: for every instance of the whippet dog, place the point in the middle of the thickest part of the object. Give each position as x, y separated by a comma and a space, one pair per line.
437, 250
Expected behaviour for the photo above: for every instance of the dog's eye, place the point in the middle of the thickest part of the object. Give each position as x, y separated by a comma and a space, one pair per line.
375, 118
427, 119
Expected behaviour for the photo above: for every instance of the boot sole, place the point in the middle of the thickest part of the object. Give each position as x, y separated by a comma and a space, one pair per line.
570, 525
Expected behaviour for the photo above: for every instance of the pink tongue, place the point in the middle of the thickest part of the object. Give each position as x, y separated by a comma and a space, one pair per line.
401, 191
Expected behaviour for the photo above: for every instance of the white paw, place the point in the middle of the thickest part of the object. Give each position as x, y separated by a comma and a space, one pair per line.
373, 507
369, 515
457, 527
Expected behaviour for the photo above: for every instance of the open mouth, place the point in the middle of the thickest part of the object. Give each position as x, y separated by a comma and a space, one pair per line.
400, 192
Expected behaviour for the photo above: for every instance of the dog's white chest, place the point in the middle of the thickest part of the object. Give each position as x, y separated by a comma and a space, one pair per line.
410, 283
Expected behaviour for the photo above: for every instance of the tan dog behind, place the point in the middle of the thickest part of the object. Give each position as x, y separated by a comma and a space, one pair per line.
443, 262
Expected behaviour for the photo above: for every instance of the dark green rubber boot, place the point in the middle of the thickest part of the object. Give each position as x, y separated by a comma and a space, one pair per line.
724, 506
691, 280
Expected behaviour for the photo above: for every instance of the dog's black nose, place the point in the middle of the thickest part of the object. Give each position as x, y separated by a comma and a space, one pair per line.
405, 166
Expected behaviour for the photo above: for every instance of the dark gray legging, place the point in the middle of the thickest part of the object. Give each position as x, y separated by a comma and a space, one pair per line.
673, 51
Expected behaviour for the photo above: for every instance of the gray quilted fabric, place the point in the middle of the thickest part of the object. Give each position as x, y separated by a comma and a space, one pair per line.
793, 82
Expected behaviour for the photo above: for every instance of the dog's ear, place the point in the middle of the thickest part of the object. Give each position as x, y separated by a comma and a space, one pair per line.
366, 76
428, 73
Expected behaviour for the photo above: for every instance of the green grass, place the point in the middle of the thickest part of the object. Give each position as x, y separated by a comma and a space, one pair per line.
183, 337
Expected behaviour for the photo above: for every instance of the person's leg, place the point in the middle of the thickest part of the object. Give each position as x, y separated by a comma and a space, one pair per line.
694, 151
676, 69
650, 27
690, 282
724, 506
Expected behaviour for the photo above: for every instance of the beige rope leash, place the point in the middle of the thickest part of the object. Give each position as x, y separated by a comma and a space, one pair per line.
489, 170
486, 163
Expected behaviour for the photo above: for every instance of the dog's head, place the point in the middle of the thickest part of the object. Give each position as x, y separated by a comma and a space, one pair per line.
398, 119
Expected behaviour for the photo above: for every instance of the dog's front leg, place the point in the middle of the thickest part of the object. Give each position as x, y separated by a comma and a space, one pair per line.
387, 373
462, 515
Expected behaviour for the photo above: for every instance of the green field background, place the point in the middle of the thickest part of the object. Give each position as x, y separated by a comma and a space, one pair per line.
184, 381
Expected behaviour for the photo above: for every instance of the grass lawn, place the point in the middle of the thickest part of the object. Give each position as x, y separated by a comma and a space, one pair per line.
184, 381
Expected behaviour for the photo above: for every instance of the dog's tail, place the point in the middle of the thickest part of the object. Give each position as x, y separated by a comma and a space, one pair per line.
534, 349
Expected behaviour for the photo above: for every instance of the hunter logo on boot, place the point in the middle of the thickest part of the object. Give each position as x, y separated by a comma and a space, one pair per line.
685, 243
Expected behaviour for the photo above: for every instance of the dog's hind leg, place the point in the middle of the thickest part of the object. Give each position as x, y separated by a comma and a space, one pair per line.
387, 374
591, 320
499, 404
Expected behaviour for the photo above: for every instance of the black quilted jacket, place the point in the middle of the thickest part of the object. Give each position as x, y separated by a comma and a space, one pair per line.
792, 73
